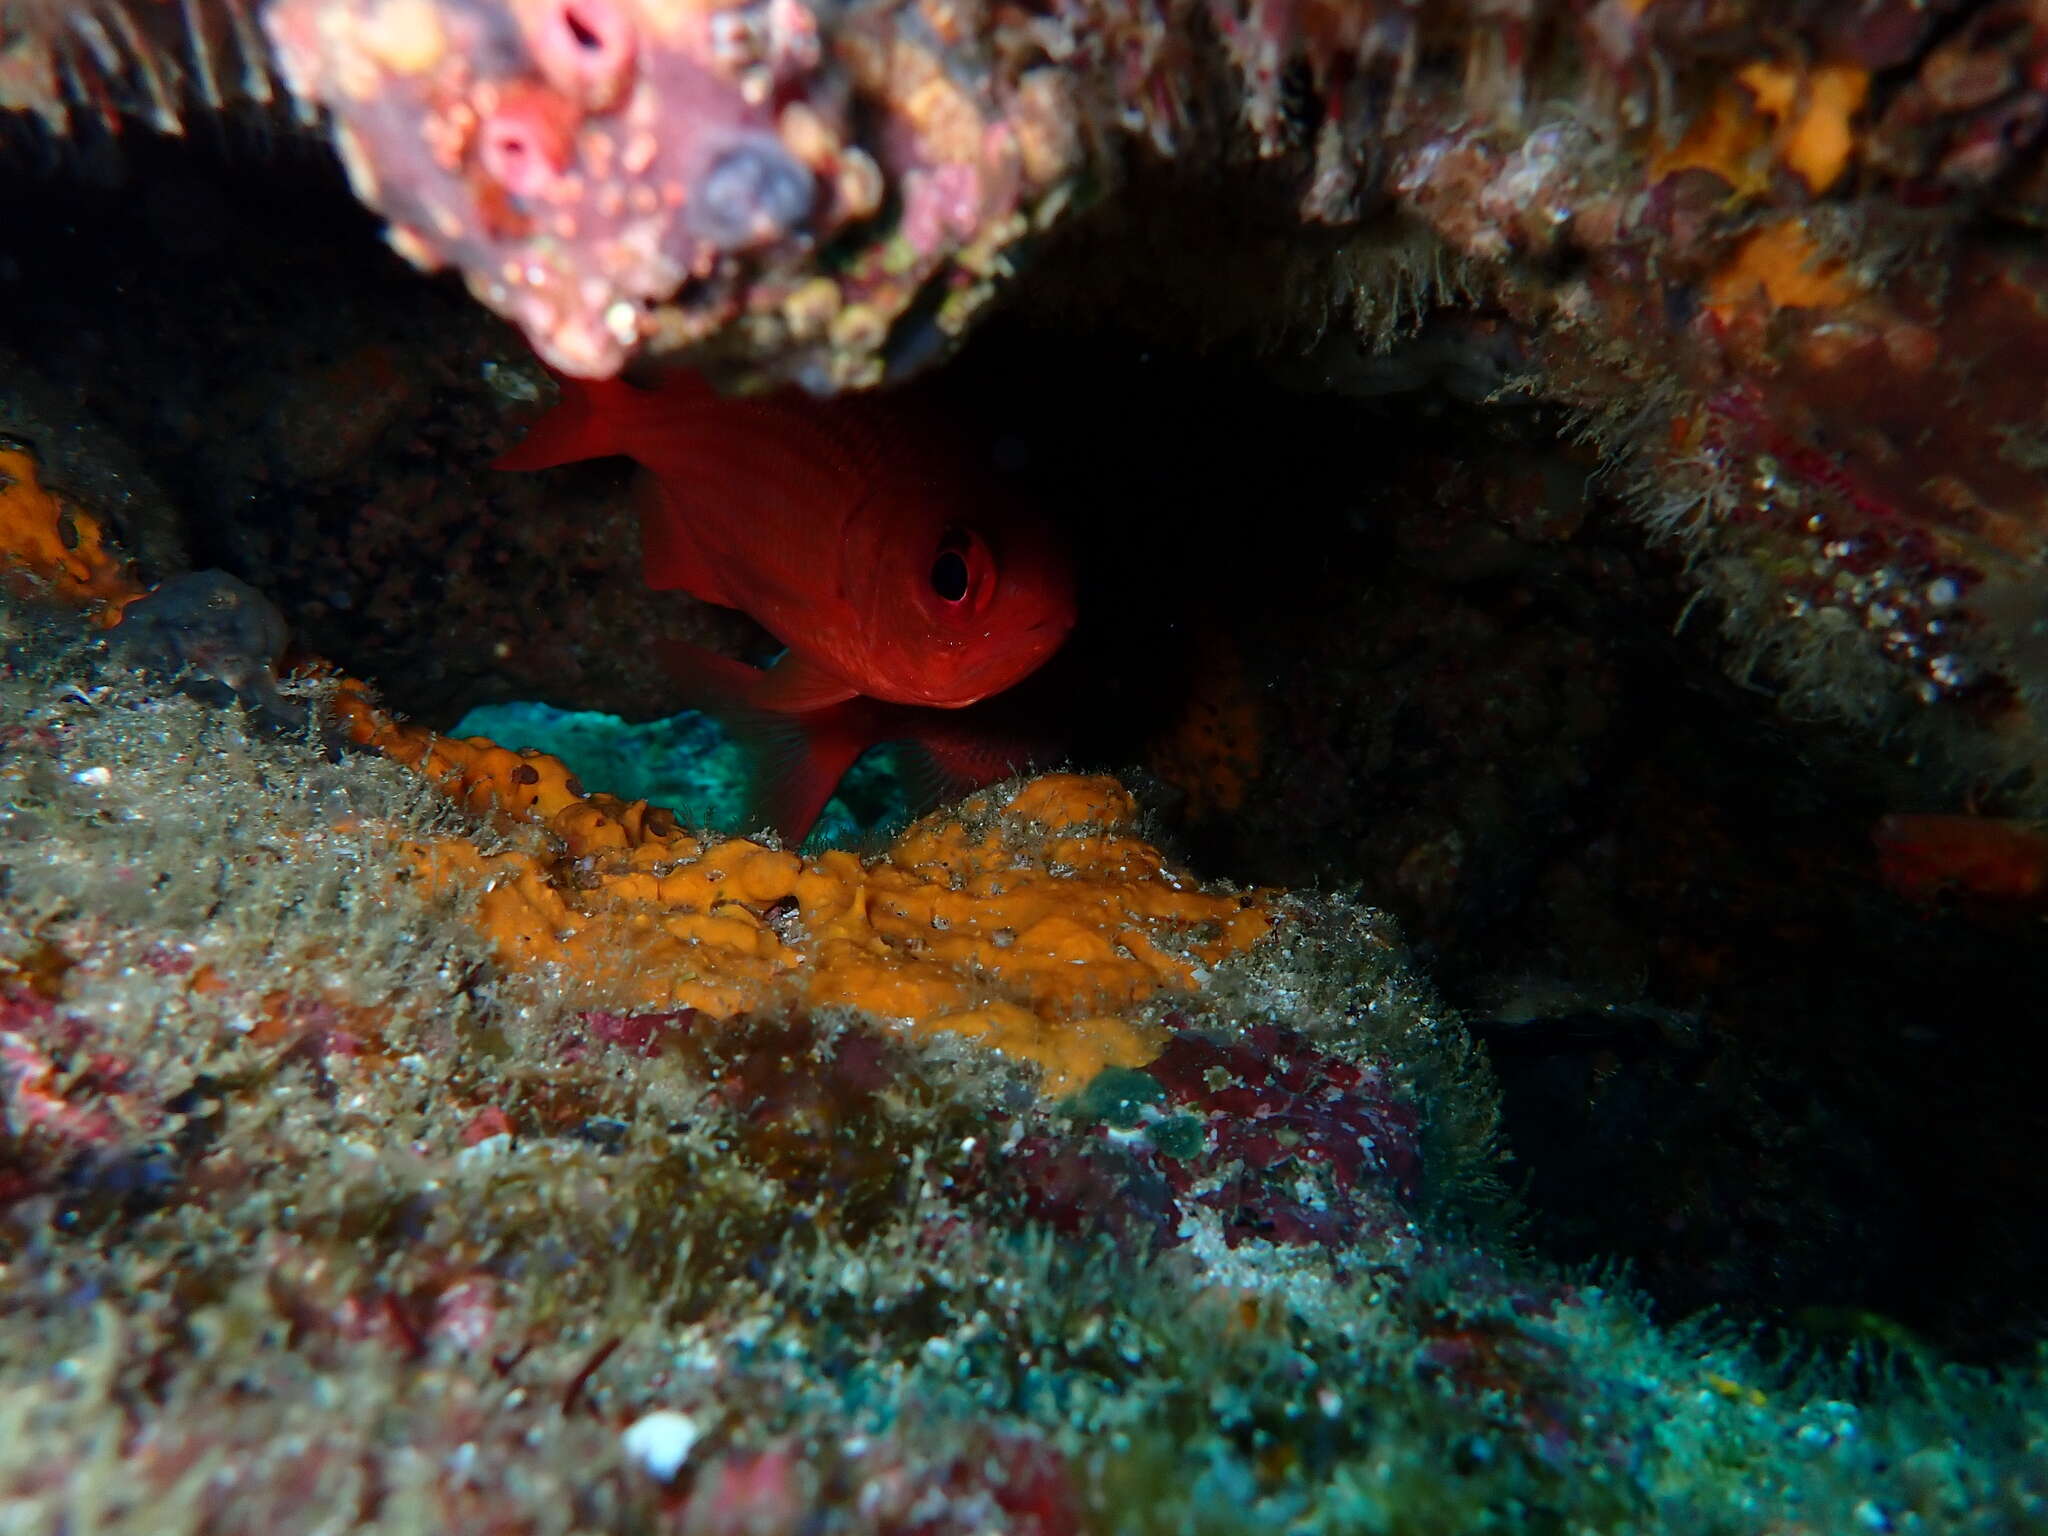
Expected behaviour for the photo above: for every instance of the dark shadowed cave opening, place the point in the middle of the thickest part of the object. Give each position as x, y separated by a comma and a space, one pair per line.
1405, 645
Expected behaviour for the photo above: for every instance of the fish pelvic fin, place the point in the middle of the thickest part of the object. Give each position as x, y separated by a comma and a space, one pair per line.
795, 758
949, 757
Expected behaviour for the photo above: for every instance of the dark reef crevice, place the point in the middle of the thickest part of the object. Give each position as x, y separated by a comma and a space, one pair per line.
1405, 645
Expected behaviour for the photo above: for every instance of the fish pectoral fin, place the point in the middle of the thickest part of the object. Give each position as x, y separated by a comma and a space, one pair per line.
671, 557
794, 759
707, 681
796, 684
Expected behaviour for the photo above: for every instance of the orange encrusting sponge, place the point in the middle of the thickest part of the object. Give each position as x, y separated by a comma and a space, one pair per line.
1775, 114
1027, 917
57, 543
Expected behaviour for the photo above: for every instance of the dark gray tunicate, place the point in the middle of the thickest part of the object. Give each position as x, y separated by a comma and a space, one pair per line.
754, 193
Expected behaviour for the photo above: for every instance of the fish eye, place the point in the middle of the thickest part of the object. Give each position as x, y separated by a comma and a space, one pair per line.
949, 576
958, 567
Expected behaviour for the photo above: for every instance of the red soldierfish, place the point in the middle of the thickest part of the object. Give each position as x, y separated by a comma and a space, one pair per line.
2003, 861
861, 533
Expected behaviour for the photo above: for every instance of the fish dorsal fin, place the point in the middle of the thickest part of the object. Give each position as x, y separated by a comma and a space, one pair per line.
672, 558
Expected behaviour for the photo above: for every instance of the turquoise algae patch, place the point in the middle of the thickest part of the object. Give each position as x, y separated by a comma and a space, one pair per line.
688, 764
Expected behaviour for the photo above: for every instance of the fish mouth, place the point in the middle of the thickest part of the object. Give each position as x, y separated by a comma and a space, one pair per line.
972, 688
1051, 624
994, 675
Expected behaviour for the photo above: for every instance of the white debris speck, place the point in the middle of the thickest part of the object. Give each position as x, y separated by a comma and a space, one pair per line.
483, 1151
661, 1441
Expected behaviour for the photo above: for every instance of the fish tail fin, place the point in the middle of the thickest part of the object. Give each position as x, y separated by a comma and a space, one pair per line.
579, 427
596, 418
794, 760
